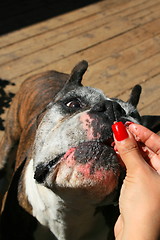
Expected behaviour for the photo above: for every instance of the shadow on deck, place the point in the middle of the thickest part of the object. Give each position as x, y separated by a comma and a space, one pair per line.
16, 14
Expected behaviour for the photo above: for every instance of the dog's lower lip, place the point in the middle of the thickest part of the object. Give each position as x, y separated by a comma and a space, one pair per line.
43, 169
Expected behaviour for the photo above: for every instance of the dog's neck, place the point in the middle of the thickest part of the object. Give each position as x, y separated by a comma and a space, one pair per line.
67, 221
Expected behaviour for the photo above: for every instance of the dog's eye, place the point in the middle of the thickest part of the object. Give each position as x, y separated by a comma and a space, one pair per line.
74, 104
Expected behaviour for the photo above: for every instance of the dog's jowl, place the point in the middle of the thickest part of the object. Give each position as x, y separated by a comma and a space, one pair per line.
59, 173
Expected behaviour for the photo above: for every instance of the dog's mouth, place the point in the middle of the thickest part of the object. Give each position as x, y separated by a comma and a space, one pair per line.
99, 151
92, 165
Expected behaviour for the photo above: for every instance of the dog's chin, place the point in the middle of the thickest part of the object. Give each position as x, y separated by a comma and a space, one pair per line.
91, 170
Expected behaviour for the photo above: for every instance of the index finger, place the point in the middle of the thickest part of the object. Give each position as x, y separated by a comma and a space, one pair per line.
149, 138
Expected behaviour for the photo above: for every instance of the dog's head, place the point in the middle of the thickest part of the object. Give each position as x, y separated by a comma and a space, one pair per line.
73, 151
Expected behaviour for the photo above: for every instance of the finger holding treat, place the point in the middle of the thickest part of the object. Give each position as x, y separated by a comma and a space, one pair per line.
140, 193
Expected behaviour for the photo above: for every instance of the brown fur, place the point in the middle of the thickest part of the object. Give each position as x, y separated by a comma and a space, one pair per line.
21, 123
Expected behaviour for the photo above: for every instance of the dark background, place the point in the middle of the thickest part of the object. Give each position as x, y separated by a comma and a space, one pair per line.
16, 14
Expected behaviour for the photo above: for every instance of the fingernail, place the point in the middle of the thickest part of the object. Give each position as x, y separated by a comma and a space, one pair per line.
119, 131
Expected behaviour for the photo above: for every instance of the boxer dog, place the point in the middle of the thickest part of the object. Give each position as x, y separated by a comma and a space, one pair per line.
60, 175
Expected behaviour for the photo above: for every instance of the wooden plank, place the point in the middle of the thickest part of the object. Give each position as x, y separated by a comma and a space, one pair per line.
47, 25
116, 85
50, 38
67, 48
62, 20
95, 54
111, 47
152, 109
111, 66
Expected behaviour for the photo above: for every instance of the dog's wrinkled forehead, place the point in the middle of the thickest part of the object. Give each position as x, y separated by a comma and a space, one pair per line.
88, 94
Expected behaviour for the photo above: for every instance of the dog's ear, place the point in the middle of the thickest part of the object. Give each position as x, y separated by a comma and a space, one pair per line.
77, 73
135, 95
74, 79
149, 121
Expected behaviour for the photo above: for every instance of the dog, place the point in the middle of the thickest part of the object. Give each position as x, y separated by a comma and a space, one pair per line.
60, 176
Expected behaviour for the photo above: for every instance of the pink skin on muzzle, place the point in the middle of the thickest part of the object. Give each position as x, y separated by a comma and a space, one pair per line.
87, 121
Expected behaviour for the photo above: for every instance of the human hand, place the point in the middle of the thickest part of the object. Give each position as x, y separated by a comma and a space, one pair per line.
140, 193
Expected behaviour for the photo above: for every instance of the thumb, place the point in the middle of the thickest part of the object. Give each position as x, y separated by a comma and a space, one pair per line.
127, 147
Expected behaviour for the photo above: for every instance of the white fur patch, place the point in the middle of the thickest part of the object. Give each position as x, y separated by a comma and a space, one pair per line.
44, 203
66, 223
33, 194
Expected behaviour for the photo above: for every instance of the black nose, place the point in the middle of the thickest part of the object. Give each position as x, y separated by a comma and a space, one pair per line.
112, 110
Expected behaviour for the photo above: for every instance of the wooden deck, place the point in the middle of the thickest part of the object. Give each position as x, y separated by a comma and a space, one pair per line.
119, 38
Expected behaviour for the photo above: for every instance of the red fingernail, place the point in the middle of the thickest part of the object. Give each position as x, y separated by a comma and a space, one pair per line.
119, 131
